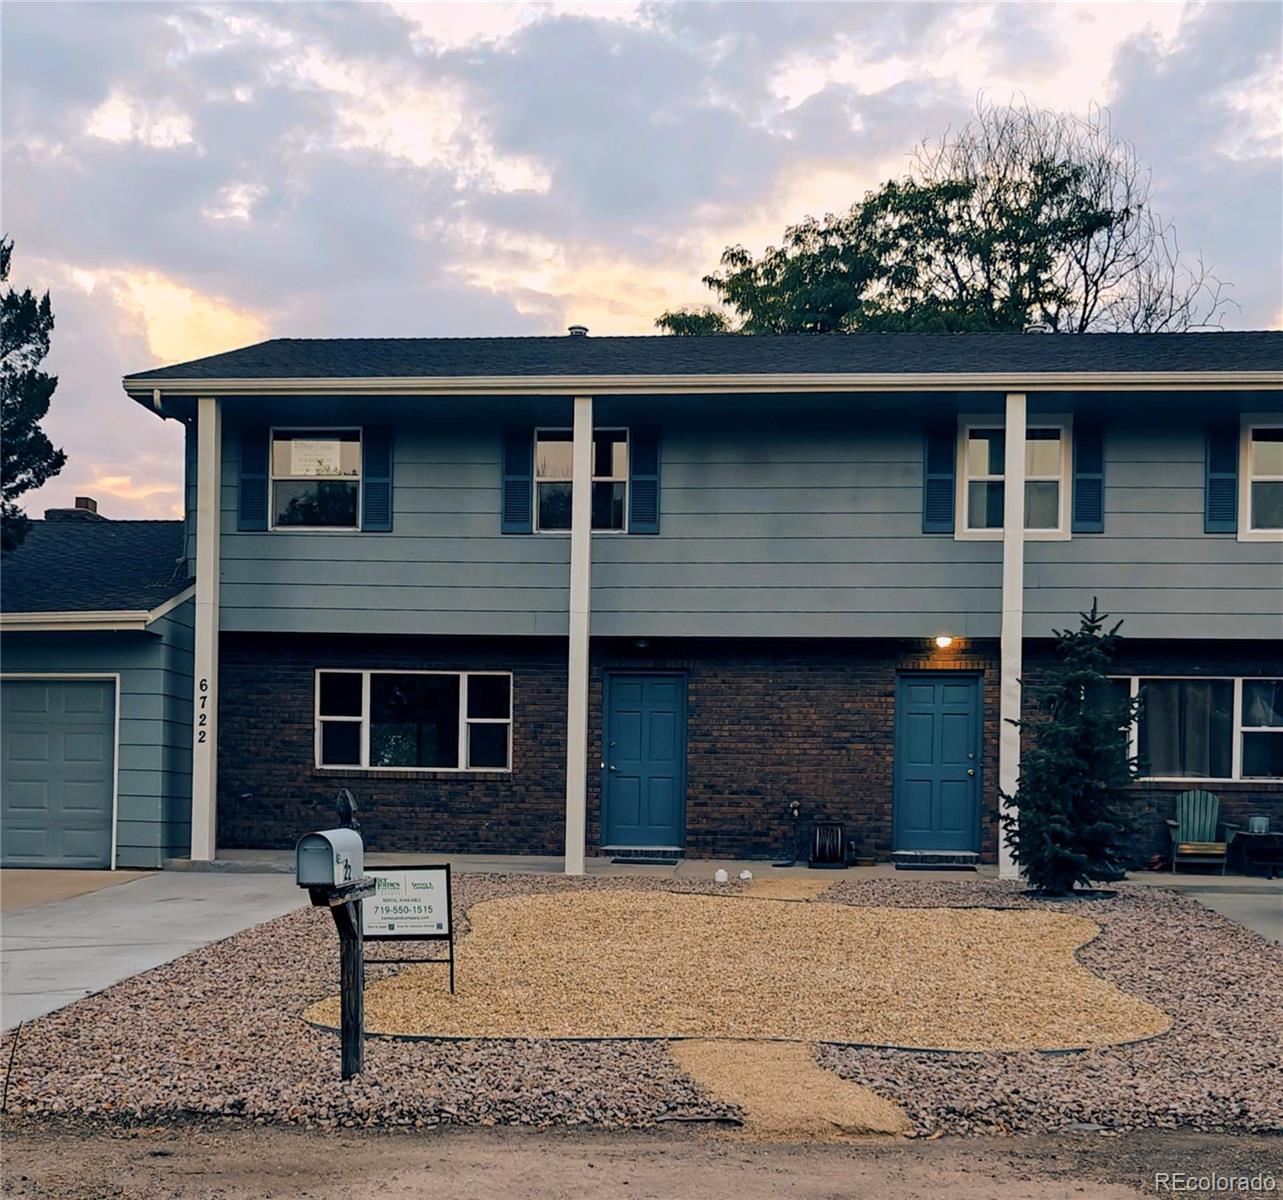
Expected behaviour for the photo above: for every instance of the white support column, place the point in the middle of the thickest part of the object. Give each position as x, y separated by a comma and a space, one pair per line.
205, 668
580, 614
1013, 615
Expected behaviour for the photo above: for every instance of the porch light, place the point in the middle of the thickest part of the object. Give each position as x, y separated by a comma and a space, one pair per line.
944, 640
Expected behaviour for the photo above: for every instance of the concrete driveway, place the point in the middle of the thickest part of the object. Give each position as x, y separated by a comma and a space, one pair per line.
68, 946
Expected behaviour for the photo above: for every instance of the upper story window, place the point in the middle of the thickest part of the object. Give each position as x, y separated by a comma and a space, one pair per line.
553, 487
1263, 479
983, 487
316, 478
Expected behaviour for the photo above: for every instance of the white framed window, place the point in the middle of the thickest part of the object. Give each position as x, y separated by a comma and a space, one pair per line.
315, 478
1261, 479
1212, 729
1261, 729
553, 487
388, 720
982, 447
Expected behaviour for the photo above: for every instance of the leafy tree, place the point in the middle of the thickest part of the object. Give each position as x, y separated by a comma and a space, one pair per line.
696, 322
1075, 766
1022, 217
27, 456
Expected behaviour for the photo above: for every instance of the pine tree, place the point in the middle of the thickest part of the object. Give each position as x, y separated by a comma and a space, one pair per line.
27, 456
1075, 767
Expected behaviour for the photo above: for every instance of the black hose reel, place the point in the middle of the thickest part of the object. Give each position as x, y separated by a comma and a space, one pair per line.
828, 845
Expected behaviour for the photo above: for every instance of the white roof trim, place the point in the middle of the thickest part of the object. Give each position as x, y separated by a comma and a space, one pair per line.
104, 621
624, 385
172, 603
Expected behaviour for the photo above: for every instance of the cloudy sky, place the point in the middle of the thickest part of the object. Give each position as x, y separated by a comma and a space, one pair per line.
189, 178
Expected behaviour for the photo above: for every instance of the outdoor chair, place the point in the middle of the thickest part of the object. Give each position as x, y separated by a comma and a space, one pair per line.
1198, 835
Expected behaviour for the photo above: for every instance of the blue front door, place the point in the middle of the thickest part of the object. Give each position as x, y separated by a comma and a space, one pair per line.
644, 776
937, 763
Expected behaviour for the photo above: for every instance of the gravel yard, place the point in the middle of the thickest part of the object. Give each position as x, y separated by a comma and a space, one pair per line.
219, 1032
656, 965
1219, 1068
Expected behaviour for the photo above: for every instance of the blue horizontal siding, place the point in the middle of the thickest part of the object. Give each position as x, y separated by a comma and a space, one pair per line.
1153, 565
810, 527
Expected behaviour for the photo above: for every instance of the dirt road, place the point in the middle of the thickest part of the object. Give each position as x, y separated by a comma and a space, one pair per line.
211, 1163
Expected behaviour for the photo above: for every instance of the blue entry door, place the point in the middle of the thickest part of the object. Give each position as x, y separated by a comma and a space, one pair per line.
937, 763
644, 760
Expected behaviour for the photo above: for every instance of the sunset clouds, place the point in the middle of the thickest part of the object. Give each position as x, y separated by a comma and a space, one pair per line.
186, 178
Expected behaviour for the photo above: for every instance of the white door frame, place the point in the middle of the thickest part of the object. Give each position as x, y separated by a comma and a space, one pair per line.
89, 676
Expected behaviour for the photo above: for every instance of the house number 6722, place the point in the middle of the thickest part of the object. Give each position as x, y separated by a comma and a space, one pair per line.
202, 716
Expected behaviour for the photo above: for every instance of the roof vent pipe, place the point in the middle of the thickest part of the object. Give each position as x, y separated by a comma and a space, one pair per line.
578, 330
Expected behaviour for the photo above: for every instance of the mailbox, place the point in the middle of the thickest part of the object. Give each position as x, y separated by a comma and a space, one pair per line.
332, 858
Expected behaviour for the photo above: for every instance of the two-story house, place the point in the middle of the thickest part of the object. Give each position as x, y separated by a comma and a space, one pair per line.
618, 594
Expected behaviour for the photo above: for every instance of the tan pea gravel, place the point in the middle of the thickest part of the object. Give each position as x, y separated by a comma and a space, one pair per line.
784, 1095
787, 887
657, 965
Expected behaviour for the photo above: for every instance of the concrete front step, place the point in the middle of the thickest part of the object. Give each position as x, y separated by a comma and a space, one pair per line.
935, 860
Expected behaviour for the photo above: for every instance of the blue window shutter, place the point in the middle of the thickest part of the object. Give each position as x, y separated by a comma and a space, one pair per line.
517, 485
1089, 480
1221, 503
376, 478
251, 491
939, 463
643, 479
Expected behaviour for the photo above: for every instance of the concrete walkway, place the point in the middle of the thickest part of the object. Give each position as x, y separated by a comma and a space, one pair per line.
56, 952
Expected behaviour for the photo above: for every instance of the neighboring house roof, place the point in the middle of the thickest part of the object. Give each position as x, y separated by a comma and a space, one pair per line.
81, 566
857, 354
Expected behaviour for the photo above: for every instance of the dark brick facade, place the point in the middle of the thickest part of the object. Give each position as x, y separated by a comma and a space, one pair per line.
774, 722
269, 791
768, 723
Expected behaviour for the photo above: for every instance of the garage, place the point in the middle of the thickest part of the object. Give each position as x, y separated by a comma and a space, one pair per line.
96, 620
57, 772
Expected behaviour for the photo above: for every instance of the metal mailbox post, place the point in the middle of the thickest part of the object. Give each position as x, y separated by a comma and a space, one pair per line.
331, 865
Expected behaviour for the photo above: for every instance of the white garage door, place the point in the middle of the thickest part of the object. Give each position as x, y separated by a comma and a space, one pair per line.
57, 766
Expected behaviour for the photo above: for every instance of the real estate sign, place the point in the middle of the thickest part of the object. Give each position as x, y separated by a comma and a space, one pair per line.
408, 902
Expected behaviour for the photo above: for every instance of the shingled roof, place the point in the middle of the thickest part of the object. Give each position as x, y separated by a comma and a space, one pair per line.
93, 566
863, 353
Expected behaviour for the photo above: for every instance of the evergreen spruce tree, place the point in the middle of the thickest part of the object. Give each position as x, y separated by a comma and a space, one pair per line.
1075, 766
27, 456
